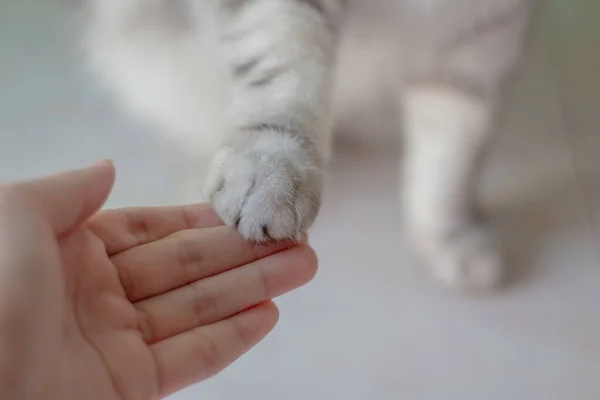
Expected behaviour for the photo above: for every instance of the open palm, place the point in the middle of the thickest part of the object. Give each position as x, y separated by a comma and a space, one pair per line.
139, 303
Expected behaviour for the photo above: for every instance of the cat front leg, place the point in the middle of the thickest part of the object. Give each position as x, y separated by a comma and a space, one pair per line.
446, 129
449, 106
267, 177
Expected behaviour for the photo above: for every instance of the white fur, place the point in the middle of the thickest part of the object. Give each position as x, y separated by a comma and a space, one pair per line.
204, 67
270, 189
445, 130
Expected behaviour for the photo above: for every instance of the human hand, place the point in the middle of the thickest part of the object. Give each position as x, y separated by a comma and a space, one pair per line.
126, 304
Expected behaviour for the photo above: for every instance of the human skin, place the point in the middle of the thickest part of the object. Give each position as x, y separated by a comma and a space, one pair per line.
127, 304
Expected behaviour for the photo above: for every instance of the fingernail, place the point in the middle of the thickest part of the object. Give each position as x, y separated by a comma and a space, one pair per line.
101, 163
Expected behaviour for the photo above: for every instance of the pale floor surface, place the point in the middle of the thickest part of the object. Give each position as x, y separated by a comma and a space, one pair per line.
372, 326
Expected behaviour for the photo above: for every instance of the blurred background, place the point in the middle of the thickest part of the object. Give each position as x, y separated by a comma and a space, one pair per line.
372, 325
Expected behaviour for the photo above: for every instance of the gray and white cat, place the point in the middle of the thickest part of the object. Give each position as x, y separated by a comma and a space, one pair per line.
269, 69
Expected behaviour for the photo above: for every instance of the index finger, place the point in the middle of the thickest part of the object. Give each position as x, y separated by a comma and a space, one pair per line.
123, 229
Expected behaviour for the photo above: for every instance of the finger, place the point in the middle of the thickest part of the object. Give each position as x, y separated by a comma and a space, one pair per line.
201, 353
69, 198
221, 296
126, 228
185, 257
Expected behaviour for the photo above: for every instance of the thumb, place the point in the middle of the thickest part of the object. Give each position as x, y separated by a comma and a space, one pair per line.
67, 199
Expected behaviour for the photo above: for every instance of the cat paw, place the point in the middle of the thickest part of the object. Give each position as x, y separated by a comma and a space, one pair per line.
466, 259
268, 190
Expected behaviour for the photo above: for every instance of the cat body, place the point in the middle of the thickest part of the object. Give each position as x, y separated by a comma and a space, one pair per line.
270, 69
